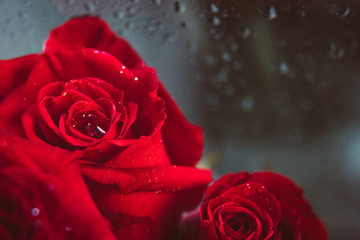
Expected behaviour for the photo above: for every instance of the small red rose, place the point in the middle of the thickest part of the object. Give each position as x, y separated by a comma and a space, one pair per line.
90, 93
256, 206
43, 196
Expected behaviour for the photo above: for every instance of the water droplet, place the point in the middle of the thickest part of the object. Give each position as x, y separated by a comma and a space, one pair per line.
179, 7
89, 6
169, 37
210, 59
123, 67
336, 52
247, 104
246, 33
339, 10
68, 227
131, 11
272, 13
268, 12
89, 125
35, 212
119, 14
246, 189
283, 68
226, 56
214, 8
261, 189
216, 21
302, 13
121, 72
136, 78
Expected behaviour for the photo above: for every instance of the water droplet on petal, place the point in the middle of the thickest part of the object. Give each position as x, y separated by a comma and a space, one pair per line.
261, 189
68, 227
89, 125
136, 78
35, 212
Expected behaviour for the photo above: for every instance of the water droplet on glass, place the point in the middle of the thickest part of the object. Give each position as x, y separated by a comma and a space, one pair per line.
301, 13
216, 21
283, 68
179, 7
214, 8
268, 12
246, 33
339, 10
336, 52
210, 59
247, 104
226, 56
169, 37
131, 11
35, 212
119, 14
89, 6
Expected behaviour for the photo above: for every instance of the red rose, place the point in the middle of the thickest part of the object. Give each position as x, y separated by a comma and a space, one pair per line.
90, 93
256, 206
43, 195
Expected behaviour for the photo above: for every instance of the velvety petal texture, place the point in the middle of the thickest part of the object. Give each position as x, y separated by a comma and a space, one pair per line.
43, 195
90, 95
262, 205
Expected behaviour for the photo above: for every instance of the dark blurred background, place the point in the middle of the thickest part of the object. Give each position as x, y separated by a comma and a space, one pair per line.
274, 84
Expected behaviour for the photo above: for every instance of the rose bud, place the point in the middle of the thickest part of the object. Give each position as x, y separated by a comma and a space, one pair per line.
256, 206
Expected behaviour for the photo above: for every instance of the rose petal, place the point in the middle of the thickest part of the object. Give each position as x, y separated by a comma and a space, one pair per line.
172, 178
186, 148
91, 32
14, 72
10, 116
290, 195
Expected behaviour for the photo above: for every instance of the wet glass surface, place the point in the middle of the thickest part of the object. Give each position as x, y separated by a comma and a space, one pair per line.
274, 84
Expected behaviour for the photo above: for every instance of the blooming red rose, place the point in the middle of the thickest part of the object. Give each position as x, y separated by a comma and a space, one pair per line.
91, 94
256, 206
43, 195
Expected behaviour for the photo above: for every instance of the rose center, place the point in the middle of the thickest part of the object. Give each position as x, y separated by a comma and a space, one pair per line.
90, 125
